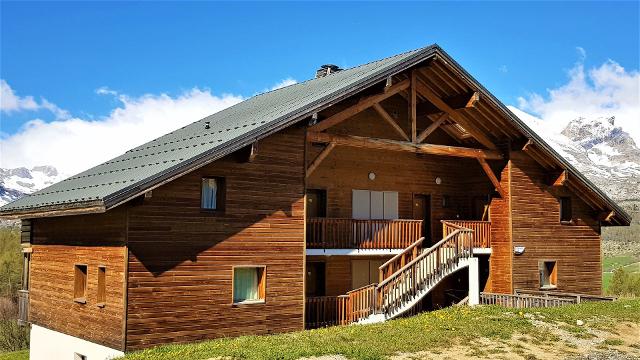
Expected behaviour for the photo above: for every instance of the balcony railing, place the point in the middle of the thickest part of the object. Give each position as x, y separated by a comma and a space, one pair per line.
333, 233
323, 311
481, 230
23, 307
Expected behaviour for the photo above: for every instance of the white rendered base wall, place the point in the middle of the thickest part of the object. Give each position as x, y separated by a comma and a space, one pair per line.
49, 345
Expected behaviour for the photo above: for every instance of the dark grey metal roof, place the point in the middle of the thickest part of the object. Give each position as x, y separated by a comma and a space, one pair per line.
145, 166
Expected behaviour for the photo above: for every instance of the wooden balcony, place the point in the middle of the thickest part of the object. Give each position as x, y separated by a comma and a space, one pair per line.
23, 307
335, 233
481, 230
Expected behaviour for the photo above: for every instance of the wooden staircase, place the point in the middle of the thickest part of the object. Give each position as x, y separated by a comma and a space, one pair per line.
409, 276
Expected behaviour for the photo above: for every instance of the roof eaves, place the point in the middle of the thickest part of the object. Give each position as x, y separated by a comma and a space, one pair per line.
536, 138
284, 121
77, 208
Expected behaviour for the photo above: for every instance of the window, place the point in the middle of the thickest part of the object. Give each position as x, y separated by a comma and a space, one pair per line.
565, 209
249, 284
102, 292
80, 284
212, 194
374, 205
548, 274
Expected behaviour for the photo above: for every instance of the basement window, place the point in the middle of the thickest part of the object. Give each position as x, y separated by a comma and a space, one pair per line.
548, 274
80, 284
249, 284
566, 213
213, 194
102, 291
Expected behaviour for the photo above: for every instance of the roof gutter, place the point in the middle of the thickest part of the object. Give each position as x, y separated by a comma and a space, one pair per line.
80, 208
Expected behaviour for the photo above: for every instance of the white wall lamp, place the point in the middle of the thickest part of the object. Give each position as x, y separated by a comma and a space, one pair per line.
438, 180
372, 176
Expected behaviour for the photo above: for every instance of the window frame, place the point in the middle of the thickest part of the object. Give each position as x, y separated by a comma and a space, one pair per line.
552, 275
101, 295
76, 281
262, 285
565, 202
221, 194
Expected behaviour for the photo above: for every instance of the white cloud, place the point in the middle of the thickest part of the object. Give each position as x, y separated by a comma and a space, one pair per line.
10, 102
285, 82
607, 90
503, 69
75, 144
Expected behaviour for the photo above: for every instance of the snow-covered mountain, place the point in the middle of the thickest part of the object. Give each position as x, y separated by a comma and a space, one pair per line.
15, 183
602, 151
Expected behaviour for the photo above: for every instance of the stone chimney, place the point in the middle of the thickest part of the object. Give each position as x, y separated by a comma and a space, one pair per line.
326, 69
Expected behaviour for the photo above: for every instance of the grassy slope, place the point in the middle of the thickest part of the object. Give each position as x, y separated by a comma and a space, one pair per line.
433, 330
610, 263
15, 355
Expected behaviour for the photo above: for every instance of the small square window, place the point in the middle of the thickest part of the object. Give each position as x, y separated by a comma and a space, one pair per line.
212, 196
548, 274
80, 284
249, 284
102, 291
566, 214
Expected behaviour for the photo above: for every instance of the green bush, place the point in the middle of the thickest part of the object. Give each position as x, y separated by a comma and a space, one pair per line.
624, 283
12, 336
10, 262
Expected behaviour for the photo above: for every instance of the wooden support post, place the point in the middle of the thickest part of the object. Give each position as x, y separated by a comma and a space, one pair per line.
360, 106
606, 216
412, 105
475, 97
426, 132
385, 115
316, 162
492, 177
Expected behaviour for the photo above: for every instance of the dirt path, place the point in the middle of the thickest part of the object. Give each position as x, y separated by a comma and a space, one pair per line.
572, 342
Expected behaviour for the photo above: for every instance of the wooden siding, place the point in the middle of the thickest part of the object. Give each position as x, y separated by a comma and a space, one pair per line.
181, 258
345, 169
536, 225
338, 271
500, 263
58, 244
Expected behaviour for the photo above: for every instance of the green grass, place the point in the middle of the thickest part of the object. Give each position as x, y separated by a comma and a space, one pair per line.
429, 331
15, 355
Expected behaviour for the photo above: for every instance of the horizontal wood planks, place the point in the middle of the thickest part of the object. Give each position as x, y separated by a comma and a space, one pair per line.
536, 225
58, 244
501, 245
181, 258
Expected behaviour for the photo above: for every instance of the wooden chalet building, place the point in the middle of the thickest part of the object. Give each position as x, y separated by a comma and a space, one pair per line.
358, 196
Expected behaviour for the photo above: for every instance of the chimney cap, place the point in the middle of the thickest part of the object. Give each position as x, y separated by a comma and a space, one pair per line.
327, 69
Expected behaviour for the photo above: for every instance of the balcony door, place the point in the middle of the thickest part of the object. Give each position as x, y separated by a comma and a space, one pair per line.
365, 272
374, 205
422, 211
316, 203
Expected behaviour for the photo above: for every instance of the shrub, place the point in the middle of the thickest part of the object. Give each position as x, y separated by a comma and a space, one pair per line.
624, 283
12, 336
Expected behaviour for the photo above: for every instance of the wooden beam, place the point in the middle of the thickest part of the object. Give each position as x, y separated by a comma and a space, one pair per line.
316, 162
457, 117
426, 132
606, 216
413, 99
394, 145
360, 106
456, 102
475, 97
492, 176
385, 115
562, 179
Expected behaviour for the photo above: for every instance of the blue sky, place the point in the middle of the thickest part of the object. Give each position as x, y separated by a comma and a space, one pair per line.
65, 52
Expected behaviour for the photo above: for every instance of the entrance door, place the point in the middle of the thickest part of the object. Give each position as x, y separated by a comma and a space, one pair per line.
315, 281
316, 203
481, 208
422, 211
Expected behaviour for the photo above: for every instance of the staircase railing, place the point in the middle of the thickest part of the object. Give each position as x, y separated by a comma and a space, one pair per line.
397, 262
363, 302
424, 271
481, 230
